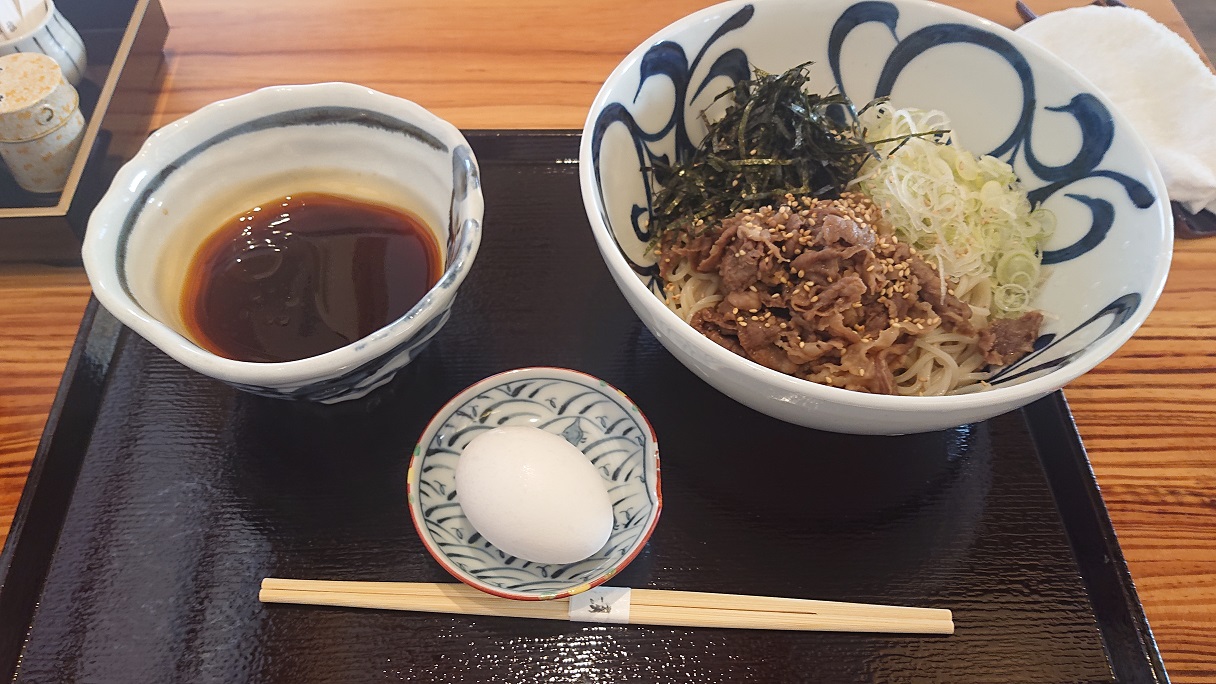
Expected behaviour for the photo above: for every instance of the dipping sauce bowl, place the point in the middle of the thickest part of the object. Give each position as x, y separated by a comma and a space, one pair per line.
334, 138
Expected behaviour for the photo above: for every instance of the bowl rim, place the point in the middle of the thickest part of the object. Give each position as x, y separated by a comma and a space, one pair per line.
640, 295
622, 400
98, 251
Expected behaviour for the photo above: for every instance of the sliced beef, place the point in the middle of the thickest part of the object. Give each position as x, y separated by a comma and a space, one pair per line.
713, 259
946, 305
812, 289
1006, 340
759, 340
741, 265
744, 300
709, 324
844, 230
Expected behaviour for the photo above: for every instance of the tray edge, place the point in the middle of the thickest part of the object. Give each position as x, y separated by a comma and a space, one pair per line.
52, 479
1122, 623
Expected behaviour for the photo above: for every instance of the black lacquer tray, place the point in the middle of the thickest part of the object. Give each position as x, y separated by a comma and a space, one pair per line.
159, 499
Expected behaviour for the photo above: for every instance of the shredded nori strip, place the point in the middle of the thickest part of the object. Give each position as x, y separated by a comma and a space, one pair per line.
774, 139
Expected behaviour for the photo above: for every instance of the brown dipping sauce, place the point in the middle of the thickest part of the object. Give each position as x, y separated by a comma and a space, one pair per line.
306, 274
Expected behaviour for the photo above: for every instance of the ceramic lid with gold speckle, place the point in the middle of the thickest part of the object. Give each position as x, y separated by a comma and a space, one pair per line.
34, 97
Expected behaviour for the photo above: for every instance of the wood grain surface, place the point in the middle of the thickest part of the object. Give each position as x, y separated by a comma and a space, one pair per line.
1147, 415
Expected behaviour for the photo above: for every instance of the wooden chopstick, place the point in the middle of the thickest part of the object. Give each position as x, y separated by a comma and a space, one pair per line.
647, 597
1028, 14
647, 606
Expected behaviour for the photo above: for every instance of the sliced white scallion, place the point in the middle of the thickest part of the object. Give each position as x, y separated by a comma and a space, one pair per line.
967, 215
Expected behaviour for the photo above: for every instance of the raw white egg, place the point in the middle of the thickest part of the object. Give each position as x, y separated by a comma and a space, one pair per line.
533, 495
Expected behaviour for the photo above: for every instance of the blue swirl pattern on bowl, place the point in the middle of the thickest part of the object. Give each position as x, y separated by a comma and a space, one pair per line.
722, 55
591, 415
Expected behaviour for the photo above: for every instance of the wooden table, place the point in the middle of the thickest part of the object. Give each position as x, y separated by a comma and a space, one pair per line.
1147, 415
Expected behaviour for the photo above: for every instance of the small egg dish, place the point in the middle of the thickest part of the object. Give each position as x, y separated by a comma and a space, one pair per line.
588, 413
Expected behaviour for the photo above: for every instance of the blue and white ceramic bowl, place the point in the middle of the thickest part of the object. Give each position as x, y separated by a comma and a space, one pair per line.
1107, 261
590, 414
338, 138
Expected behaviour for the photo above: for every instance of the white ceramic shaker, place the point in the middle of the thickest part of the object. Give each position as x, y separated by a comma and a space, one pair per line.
40, 121
43, 29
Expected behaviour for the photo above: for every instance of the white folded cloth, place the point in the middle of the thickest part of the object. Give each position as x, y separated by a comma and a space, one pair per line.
1155, 79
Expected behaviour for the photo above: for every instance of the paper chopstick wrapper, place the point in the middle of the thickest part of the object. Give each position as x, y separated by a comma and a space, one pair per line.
40, 121
601, 604
1154, 78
